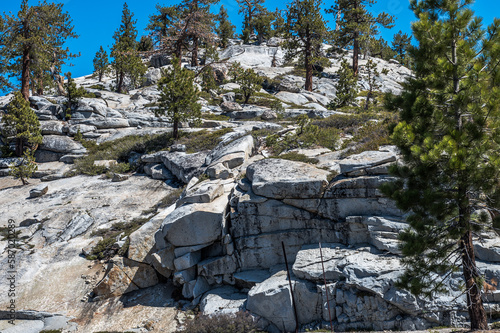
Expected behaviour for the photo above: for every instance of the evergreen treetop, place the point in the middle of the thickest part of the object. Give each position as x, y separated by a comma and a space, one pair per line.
33, 42
355, 24
21, 122
224, 29
305, 32
101, 63
178, 97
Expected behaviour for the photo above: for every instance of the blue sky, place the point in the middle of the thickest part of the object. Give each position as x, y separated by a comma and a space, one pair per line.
95, 21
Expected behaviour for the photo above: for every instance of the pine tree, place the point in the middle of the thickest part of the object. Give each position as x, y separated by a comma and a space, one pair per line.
305, 32
25, 169
250, 9
183, 27
372, 78
225, 30
262, 25
101, 63
449, 136
145, 44
178, 97
355, 24
73, 93
250, 82
32, 42
400, 45
347, 86
21, 122
199, 24
278, 23
126, 62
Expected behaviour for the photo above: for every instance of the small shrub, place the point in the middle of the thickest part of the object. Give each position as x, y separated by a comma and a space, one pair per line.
371, 136
97, 87
170, 198
241, 322
25, 170
211, 116
294, 156
202, 140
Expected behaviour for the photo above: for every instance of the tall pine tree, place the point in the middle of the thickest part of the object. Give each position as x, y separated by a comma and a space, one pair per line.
32, 43
224, 29
449, 136
305, 32
354, 24
400, 44
250, 9
126, 62
21, 122
178, 97
101, 63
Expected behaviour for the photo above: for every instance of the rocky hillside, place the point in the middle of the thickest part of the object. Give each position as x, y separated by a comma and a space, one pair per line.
125, 229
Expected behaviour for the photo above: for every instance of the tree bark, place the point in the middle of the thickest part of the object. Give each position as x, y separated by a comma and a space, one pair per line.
355, 49
19, 147
25, 74
175, 133
475, 306
119, 87
355, 54
194, 54
308, 65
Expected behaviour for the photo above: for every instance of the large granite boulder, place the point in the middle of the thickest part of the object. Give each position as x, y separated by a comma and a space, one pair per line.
279, 179
272, 300
184, 166
123, 276
195, 224
62, 144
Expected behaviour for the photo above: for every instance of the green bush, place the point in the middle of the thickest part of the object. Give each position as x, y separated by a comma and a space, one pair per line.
241, 322
294, 156
307, 135
211, 116
202, 140
371, 136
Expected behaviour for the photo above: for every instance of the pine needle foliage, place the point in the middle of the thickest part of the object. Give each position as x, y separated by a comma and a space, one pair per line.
126, 61
32, 43
101, 63
347, 86
449, 135
355, 25
21, 122
305, 32
178, 97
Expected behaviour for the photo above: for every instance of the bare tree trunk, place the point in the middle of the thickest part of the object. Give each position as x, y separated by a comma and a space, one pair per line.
25, 75
194, 54
19, 147
175, 133
355, 49
308, 65
477, 314
119, 87
355, 54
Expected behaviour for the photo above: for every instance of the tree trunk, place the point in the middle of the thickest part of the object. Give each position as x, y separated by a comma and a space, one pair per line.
119, 87
25, 75
175, 133
39, 84
474, 302
308, 65
355, 49
355, 55
194, 54
19, 147
178, 52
